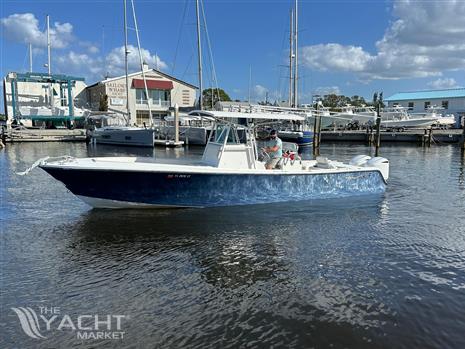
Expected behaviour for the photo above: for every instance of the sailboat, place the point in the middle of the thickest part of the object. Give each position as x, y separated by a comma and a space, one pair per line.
127, 135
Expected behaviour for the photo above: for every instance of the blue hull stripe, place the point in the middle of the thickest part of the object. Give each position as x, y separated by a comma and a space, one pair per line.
208, 190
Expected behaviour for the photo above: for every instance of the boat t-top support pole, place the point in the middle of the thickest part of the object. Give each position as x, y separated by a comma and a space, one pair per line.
378, 125
126, 52
199, 52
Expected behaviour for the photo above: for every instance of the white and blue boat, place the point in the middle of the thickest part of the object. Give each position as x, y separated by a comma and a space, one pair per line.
229, 173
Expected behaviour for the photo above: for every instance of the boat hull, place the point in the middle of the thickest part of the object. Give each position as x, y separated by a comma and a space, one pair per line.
133, 189
301, 138
138, 137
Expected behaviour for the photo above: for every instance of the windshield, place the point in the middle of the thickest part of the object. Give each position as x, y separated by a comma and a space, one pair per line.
223, 131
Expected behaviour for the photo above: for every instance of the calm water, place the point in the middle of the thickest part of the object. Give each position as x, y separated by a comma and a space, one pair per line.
372, 272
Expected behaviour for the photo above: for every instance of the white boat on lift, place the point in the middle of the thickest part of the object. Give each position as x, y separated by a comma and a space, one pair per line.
398, 117
437, 113
229, 173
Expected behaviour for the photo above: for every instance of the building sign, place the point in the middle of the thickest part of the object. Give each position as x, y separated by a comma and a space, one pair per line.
116, 90
117, 101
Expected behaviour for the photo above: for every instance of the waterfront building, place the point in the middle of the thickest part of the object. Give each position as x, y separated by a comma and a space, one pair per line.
451, 100
164, 92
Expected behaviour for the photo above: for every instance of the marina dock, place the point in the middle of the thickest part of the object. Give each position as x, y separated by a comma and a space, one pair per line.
44, 135
409, 136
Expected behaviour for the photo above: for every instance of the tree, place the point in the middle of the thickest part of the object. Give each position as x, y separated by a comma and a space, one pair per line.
378, 99
103, 103
357, 101
334, 101
210, 94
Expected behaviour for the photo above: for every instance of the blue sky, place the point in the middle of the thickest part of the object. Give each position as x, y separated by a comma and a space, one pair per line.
348, 47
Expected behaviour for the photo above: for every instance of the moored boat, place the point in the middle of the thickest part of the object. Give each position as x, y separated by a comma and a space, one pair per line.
229, 173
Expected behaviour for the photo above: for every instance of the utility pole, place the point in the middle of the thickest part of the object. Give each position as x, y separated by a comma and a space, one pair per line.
291, 56
199, 52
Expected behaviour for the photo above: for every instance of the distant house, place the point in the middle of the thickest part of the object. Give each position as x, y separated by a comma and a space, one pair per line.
452, 100
164, 92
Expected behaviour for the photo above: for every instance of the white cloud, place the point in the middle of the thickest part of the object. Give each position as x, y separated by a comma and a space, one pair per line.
259, 91
422, 41
79, 64
327, 90
335, 57
95, 68
24, 28
90, 47
115, 60
443, 83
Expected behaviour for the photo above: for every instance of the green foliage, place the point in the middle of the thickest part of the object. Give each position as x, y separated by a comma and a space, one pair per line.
334, 101
378, 99
207, 96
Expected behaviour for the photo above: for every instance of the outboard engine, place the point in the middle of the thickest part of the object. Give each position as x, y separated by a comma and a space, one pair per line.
380, 163
359, 160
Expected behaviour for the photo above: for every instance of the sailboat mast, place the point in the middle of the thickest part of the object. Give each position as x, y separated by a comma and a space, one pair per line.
126, 52
142, 64
199, 51
48, 46
30, 58
291, 54
296, 61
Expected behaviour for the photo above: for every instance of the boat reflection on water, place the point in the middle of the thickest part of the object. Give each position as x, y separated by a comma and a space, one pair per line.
233, 246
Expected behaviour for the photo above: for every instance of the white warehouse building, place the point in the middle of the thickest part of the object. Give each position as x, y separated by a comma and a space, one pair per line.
451, 100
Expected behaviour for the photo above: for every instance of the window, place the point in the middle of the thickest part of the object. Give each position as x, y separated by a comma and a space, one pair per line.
142, 116
156, 96
427, 105
445, 104
411, 105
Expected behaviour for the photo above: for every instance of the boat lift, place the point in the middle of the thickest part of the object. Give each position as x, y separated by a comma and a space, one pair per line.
66, 82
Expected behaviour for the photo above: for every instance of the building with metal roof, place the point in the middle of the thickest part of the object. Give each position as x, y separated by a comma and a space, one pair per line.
451, 100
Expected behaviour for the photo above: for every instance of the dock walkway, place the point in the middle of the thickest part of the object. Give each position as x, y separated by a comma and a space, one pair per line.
44, 135
410, 135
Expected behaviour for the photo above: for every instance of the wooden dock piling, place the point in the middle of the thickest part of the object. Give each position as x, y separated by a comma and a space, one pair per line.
463, 133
